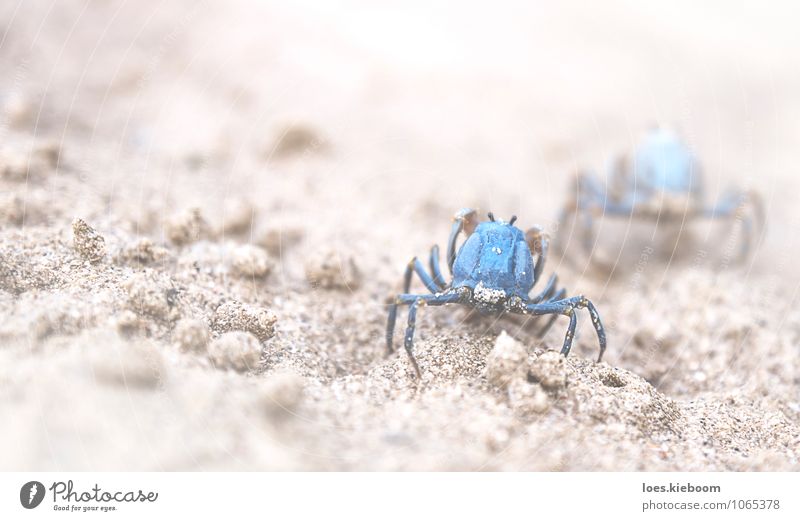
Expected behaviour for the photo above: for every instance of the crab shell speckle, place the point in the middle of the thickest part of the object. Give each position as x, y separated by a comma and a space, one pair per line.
488, 295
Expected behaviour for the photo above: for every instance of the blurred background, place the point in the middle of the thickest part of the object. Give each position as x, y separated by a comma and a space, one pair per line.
513, 99
450, 106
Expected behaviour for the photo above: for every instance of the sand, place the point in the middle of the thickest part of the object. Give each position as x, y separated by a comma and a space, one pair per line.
205, 208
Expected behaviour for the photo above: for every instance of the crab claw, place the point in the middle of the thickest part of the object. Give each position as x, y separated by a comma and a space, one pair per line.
465, 220
538, 241
468, 218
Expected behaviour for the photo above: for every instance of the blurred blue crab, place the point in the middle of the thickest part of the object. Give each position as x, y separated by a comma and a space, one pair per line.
663, 185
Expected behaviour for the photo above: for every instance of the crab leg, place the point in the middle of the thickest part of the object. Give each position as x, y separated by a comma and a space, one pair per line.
735, 205
547, 291
550, 321
438, 278
414, 301
588, 182
588, 238
416, 266
567, 307
408, 341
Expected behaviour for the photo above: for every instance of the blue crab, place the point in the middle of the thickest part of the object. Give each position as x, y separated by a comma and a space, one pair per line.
493, 271
663, 184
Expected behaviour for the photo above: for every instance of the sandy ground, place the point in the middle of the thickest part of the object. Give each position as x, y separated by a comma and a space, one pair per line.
206, 206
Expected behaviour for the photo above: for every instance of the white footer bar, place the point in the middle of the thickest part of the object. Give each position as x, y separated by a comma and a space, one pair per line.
405, 496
